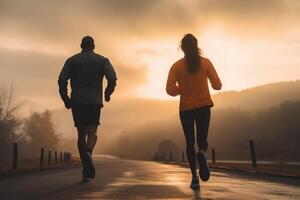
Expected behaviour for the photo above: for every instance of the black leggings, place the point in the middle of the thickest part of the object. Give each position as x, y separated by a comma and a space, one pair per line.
200, 117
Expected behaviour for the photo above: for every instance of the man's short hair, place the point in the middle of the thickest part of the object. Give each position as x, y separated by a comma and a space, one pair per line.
87, 42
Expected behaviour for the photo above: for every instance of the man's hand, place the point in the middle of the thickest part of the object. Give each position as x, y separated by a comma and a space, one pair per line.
107, 98
67, 103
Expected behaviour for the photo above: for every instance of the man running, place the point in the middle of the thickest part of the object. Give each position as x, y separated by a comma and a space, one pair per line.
86, 71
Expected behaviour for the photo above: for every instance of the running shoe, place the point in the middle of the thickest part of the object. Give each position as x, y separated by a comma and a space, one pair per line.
89, 166
86, 180
204, 172
195, 184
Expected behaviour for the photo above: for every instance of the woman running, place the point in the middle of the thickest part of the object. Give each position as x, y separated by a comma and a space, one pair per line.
188, 78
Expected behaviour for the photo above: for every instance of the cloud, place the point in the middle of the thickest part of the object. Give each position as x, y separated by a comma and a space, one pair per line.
57, 24
35, 74
41, 35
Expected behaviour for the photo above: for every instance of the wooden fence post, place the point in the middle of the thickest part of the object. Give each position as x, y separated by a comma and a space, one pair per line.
156, 156
253, 155
49, 158
65, 156
171, 156
55, 157
163, 156
213, 154
15, 156
61, 157
42, 157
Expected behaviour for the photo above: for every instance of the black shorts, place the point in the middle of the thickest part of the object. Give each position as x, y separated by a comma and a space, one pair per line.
87, 114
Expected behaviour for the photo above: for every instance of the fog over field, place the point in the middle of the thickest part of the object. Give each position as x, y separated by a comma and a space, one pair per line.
267, 113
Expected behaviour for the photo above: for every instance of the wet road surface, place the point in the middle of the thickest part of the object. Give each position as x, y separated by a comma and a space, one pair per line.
129, 179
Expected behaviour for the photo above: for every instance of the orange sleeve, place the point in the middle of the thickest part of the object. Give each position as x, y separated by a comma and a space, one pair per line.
172, 88
213, 77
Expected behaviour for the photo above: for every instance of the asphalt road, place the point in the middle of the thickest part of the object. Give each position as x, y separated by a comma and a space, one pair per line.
129, 179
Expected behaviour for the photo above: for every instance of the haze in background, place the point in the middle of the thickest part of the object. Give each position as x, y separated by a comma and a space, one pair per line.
249, 42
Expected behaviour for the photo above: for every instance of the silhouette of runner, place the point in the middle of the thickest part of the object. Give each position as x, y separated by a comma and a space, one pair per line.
86, 71
188, 78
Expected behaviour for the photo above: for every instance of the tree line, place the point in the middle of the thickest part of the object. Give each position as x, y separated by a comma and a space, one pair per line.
31, 133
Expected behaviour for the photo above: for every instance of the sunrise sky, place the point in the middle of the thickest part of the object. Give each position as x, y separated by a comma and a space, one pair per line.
249, 42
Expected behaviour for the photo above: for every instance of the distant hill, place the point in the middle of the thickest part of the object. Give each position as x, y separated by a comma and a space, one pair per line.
131, 123
260, 97
125, 113
275, 132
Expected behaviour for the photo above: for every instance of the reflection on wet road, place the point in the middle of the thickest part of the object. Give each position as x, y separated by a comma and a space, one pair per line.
128, 179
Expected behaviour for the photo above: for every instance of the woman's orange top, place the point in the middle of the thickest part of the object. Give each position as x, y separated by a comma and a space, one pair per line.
192, 87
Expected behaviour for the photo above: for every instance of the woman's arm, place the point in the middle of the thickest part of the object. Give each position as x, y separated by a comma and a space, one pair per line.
213, 77
172, 88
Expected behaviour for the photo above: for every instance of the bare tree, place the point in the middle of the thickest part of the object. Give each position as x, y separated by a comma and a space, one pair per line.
9, 124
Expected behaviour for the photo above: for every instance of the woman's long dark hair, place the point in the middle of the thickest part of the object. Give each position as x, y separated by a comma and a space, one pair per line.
192, 53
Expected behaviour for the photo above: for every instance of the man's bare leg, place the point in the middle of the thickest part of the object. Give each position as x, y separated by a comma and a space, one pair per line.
81, 142
91, 132
90, 143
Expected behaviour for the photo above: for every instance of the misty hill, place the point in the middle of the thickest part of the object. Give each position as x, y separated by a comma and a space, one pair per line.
275, 132
260, 97
129, 124
126, 113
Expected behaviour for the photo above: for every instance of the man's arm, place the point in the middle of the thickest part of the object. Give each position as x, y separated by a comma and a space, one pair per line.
111, 77
63, 78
